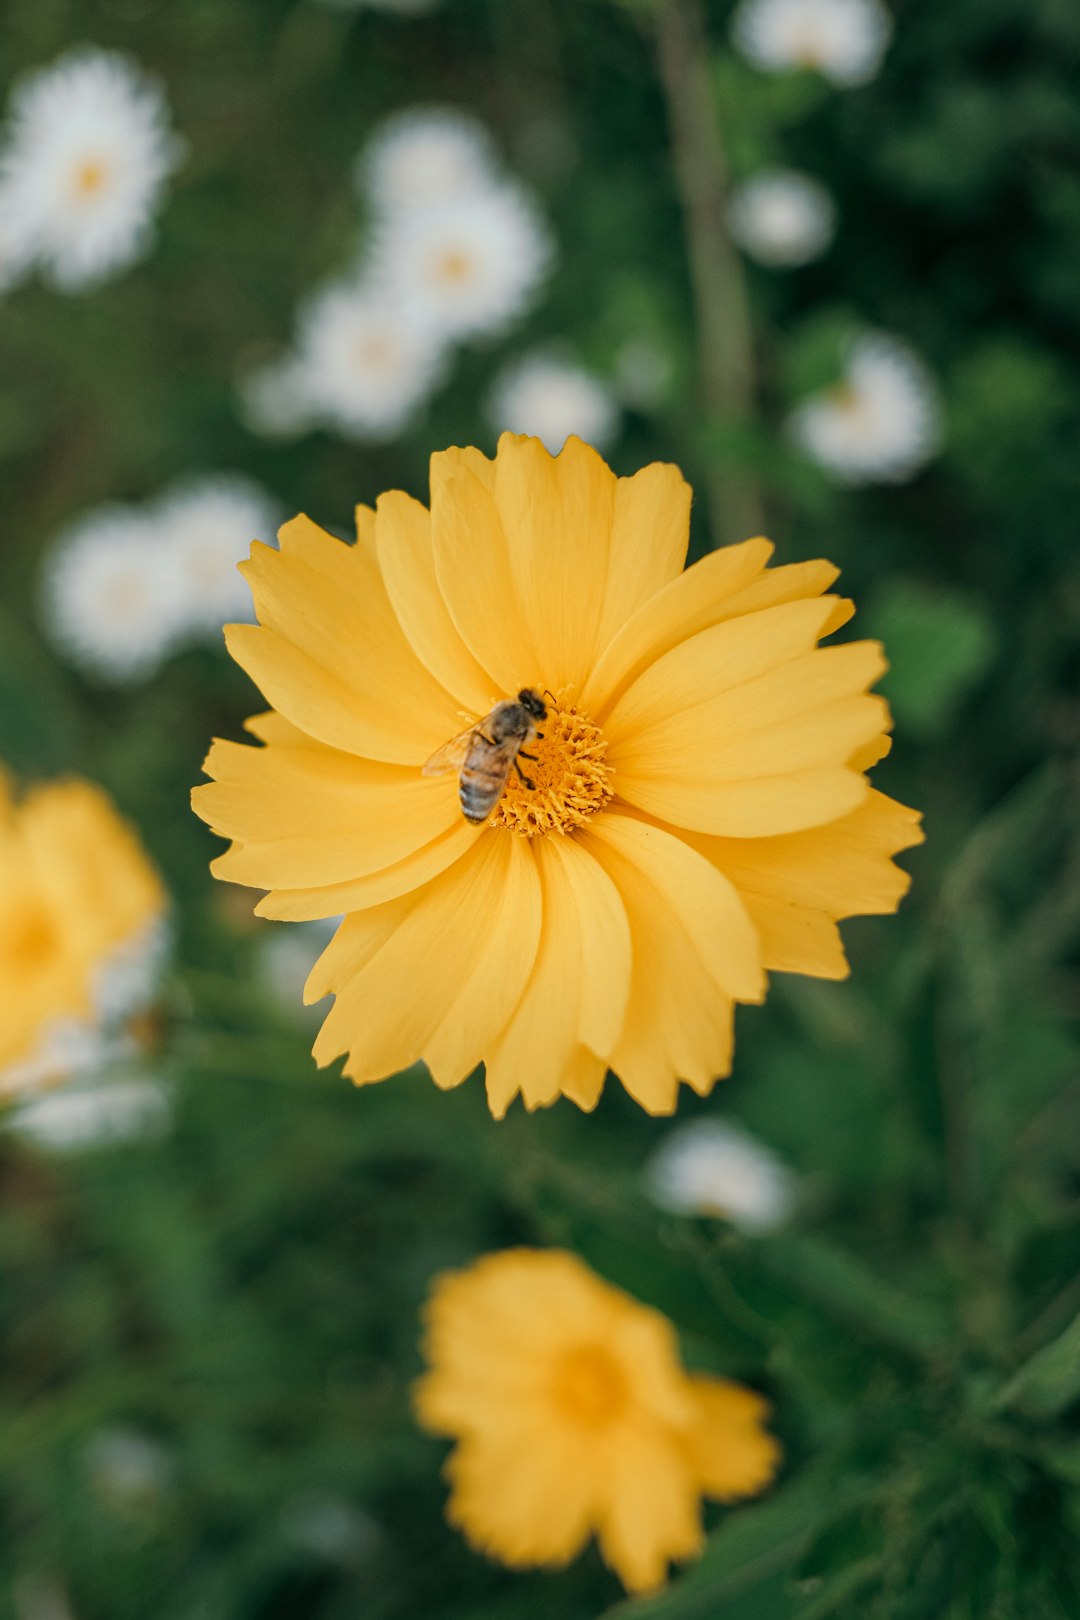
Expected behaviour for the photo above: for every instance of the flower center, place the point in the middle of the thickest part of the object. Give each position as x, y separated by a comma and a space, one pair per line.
570, 781
90, 176
589, 1387
455, 265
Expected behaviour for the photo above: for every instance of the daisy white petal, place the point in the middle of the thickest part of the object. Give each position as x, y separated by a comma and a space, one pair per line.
110, 601
94, 1115
844, 40
367, 366
426, 155
710, 1168
87, 152
552, 398
274, 399
468, 265
207, 526
881, 423
781, 218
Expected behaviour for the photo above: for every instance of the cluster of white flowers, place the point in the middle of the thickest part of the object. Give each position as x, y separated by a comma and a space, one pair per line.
84, 156
457, 250
844, 40
92, 1113
710, 1168
880, 423
126, 586
781, 218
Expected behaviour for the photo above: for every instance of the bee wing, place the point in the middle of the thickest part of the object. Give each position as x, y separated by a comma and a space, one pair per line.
451, 756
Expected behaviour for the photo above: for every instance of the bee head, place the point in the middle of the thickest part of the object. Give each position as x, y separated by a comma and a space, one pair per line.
533, 703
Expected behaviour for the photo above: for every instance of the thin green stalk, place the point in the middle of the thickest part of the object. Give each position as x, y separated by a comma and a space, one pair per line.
725, 337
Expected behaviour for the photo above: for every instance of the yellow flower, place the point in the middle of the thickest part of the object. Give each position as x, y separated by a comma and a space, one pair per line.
699, 813
574, 1416
74, 885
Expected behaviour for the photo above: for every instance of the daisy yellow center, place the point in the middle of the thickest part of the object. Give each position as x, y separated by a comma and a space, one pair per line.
374, 354
455, 265
589, 1387
90, 176
569, 779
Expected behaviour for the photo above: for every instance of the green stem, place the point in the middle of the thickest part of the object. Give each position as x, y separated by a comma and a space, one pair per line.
725, 336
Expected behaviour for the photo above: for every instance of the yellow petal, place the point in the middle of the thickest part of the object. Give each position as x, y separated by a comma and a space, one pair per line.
694, 948
556, 514
651, 1514
334, 899
794, 582
433, 975
650, 531
584, 1079
692, 602
472, 566
332, 657
523, 1496
407, 561
304, 815
445, 464
577, 991
795, 939
732, 1452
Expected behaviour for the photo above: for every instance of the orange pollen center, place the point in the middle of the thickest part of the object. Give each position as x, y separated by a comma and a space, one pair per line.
30, 942
90, 177
570, 781
589, 1387
455, 265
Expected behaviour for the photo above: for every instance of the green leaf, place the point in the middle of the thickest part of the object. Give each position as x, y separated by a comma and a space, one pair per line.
839, 1283
1050, 1381
940, 643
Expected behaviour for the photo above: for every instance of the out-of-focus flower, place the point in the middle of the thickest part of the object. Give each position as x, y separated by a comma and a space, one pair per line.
710, 1168
83, 161
274, 399
843, 39
366, 366
881, 423
286, 956
206, 526
782, 218
553, 398
466, 266
77, 894
110, 601
92, 1114
128, 1469
706, 758
426, 155
573, 1417
330, 1528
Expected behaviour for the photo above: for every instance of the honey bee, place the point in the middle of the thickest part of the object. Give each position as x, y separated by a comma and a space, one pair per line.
485, 753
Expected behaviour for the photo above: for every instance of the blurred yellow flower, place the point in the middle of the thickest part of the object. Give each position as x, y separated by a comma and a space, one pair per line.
696, 814
574, 1416
75, 885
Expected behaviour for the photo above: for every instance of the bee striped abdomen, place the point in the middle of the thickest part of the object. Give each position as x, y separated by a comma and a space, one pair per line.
480, 788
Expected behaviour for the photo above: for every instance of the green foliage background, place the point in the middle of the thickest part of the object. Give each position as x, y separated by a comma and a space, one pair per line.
247, 1290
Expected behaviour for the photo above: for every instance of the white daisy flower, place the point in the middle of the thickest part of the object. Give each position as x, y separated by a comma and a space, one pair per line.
207, 526
110, 601
844, 40
781, 218
86, 154
91, 1115
426, 155
709, 1168
274, 399
551, 398
128, 1469
468, 265
367, 366
881, 423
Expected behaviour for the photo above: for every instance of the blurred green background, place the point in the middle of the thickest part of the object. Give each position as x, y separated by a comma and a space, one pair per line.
243, 1293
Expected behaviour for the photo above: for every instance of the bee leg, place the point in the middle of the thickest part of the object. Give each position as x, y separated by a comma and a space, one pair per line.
528, 781
521, 754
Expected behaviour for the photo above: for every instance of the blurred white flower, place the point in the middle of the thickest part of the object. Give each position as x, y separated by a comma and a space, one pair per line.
206, 526
426, 155
329, 1528
93, 1114
83, 161
366, 364
880, 423
552, 398
274, 399
285, 954
128, 1469
110, 601
709, 1168
127, 980
843, 39
468, 265
781, 218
